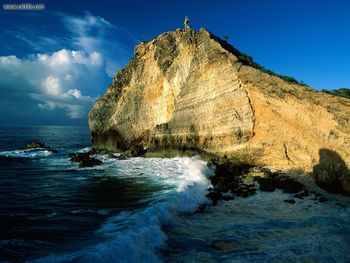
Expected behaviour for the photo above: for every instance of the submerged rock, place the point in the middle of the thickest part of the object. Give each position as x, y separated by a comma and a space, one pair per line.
84, 159
33, 145
89, 162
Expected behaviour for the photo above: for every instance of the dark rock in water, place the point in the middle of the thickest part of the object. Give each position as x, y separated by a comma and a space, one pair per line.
290, 186
323, 199
227, 197
305, 193
215, 197
267, 184
89, 162
299, 196
112, 156
302, 194
37, 145
229, 179
33, 145
84, 159
122, 157
289, 201
77, 157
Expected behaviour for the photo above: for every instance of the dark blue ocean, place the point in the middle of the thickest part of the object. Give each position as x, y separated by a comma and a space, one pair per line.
146, 210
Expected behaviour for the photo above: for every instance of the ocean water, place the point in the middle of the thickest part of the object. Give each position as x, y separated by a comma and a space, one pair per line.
147, 210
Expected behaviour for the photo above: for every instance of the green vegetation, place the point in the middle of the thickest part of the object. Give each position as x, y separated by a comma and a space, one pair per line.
339, 92
248, 61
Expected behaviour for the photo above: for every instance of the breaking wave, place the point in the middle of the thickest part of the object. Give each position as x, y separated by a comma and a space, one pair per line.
138, 236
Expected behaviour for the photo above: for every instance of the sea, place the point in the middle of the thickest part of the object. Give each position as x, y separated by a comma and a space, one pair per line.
148, 210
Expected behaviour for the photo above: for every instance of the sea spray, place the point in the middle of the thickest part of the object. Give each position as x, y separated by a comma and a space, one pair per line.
138, 235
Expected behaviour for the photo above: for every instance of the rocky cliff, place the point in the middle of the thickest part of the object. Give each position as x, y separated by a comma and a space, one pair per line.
190, 90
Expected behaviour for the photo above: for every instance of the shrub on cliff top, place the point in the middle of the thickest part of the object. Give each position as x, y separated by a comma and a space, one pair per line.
249, 61
339, 92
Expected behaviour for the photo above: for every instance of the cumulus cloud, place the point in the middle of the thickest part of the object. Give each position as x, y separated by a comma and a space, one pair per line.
51, 86
63, 80
54, 80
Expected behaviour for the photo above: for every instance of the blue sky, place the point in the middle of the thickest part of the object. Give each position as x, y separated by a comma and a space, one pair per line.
54, 63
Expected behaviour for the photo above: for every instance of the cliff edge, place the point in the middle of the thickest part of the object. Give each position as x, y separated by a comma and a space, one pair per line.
188, 89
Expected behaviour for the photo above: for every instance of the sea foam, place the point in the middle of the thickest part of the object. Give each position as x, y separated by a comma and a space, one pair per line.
30, 153
138, 236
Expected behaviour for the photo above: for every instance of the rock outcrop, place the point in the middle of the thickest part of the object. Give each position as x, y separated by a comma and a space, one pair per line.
189, 90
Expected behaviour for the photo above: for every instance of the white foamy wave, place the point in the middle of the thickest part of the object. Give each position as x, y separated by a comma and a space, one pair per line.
84, 150
31, 153
137, 236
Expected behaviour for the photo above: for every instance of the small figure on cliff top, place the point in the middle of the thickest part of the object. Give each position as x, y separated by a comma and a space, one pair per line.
186, 23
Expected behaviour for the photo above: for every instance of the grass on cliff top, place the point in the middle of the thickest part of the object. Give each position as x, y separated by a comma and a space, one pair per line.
339, 92
249, 61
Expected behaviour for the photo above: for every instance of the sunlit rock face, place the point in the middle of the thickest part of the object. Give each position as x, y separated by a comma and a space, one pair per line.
188, 90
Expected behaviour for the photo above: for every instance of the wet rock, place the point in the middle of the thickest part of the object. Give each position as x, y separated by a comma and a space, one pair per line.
90, 162
138, 150
112, 155
290, 186
305, 193
299, 196
289, 201
244, 190
37, 145
84, 159
77, 157
302, 194
33, 145
122, 157
267, 184
215, 197
229, 179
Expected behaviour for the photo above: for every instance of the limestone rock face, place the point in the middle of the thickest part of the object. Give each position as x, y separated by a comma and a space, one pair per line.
187, 90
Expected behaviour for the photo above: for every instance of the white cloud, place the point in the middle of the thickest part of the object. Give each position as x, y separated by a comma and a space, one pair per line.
66, 57
75, 93
95, 34
65, 79
51, 86
56, 80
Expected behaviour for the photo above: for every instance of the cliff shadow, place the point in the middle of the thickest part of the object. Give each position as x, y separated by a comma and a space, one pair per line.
332, 173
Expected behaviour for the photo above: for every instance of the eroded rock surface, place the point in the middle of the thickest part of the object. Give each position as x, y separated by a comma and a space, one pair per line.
189, 90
